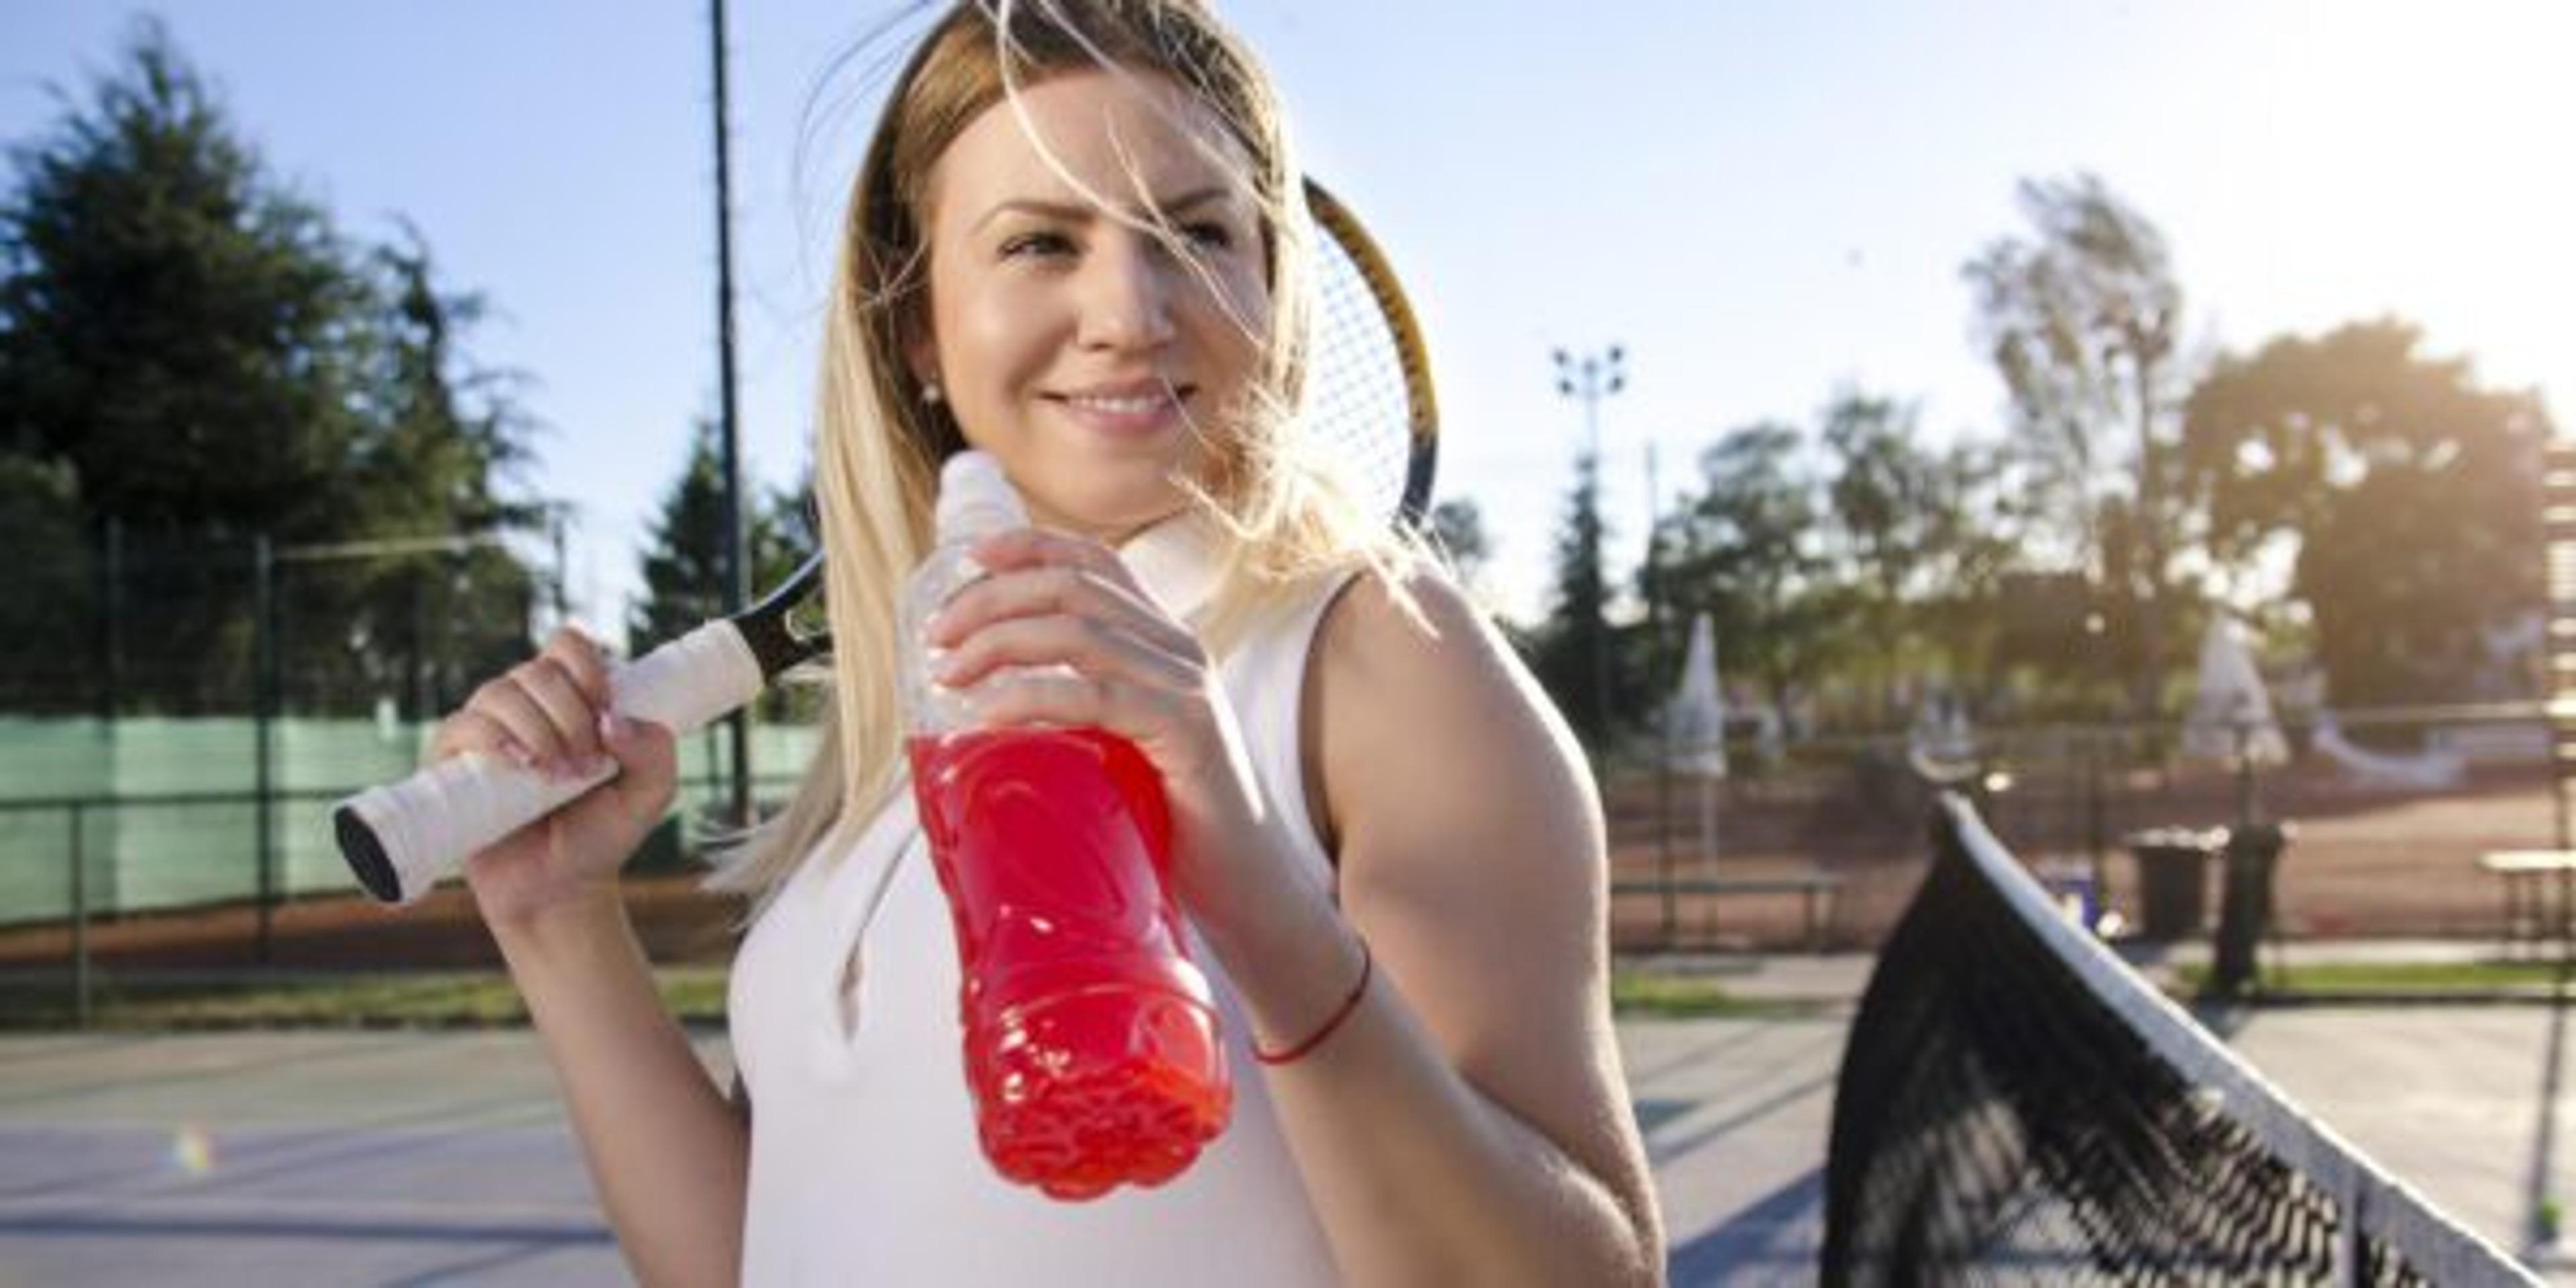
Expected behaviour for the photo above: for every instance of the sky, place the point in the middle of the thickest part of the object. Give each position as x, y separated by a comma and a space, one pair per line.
1761, 203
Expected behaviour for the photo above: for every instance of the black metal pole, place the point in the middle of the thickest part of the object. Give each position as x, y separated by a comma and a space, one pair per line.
2093, 818
111, 608
263, 722
562, 595
80, 925
1591, 379
1664, 874
1664, 760
737, 571
1600, 571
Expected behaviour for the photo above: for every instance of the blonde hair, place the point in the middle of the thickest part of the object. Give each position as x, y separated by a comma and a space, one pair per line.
1281, 512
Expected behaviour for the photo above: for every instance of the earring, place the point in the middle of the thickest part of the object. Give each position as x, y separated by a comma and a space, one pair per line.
930, 395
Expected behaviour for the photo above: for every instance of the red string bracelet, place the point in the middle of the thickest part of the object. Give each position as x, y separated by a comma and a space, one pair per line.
1368, 968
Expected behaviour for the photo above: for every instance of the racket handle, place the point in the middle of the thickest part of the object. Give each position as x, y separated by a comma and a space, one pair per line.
400, 839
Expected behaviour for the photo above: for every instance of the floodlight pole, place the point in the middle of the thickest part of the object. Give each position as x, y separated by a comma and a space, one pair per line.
1589, 379
737, 572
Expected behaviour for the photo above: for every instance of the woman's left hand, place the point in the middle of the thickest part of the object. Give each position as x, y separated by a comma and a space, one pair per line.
1055, 599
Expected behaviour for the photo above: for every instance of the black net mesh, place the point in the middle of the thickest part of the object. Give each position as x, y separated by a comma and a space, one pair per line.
2006, 1114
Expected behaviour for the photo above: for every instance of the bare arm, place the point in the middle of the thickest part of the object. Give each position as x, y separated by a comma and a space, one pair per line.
1469, 1122
667, 1155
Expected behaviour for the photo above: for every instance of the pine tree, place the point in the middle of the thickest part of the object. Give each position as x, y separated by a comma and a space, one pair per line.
193, 357
1571, 650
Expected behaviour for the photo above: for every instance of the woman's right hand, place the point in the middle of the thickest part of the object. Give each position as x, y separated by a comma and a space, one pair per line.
551, 715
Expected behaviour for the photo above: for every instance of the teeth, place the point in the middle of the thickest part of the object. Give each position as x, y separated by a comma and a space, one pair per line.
1118, 406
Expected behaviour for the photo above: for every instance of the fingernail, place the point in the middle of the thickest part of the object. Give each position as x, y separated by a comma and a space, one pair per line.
615, 727
519, 756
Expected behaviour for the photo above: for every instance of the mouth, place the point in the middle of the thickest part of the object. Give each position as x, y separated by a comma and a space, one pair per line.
1127, 409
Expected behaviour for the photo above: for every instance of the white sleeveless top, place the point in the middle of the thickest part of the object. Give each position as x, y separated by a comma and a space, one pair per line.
864, 1165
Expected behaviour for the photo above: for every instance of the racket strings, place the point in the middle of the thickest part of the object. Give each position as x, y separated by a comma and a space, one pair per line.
1359, 402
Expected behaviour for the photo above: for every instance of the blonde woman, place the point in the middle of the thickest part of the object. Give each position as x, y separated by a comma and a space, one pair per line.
1069, 245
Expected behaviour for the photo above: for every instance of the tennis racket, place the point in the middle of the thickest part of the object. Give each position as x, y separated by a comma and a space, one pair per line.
1368, 399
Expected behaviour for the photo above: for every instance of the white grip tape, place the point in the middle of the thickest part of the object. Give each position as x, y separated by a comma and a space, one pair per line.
428, 823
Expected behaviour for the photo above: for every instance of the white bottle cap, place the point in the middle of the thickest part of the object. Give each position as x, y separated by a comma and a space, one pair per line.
975, 498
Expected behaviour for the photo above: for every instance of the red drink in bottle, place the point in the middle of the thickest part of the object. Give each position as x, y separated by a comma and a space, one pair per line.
1090, 1037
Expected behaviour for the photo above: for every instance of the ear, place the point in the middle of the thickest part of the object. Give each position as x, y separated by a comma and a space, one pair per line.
920, 346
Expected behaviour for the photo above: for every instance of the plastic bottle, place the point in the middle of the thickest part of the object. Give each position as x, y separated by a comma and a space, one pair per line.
1091, 1047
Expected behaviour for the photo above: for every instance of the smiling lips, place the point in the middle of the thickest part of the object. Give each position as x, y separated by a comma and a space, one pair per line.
1126, 409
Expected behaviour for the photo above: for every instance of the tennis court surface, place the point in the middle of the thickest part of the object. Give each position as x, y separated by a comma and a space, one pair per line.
434, 1158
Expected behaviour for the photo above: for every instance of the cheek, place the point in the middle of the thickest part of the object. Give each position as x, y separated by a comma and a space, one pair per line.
989, 337
1239, 325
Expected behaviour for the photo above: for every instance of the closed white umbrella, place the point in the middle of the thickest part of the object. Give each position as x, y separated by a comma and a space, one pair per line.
1695, 729
2231, 713
1695, 720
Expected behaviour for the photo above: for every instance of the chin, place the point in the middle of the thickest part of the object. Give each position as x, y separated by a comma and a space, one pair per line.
1108, 512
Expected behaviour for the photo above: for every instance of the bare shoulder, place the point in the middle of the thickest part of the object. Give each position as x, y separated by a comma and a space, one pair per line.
1469, 845
1377, 630
1457, 802
1392, 655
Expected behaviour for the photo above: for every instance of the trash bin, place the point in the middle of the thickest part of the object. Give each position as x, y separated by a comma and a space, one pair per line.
2245, 907
2173, 878
2070, 886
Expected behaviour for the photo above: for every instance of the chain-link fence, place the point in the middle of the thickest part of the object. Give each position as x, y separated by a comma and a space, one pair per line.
175, 726
185, 624
181, 711
1818, 842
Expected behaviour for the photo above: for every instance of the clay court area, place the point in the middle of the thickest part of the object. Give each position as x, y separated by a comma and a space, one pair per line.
2363, 862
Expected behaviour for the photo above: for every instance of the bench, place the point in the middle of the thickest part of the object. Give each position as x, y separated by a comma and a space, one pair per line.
1816, 888
2525, 876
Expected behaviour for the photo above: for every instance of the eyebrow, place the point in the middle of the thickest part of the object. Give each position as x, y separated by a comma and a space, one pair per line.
1076, 212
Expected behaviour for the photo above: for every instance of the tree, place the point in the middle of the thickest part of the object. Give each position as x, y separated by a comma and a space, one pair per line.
200, 359
2406, 494
683, 560
1571, 650
47, 608
1888, 504
1458, 531
174, 316
2083, 320
438, 434
1745, 550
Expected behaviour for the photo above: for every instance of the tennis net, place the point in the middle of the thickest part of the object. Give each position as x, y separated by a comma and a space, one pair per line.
2017, 1106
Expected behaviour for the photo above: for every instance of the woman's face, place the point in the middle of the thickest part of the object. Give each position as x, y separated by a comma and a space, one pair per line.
1070, 342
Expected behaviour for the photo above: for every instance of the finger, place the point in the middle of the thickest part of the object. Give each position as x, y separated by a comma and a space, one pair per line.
1097, 649
575, 718
648, 765
471, 730
1031, 547
1054, 589
506, 703
1139, 713
585, 661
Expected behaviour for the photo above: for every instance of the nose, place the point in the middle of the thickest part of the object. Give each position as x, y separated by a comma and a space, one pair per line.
1127, 294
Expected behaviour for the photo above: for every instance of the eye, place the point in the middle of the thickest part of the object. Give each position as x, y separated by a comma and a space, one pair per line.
1041, 244
1209, 235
